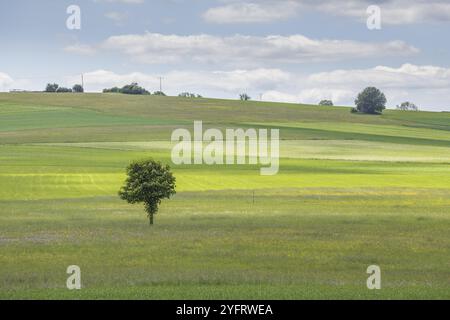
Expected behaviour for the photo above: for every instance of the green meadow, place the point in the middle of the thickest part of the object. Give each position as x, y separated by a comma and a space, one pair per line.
352, 191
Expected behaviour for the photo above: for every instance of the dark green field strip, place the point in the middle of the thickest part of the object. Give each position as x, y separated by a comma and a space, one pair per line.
90, 134
124, 132
291, 133
16, 118
430, 120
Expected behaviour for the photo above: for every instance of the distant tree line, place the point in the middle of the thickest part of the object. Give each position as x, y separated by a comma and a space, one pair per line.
407, 106
132, 88
54, 87
189, 95
370, 101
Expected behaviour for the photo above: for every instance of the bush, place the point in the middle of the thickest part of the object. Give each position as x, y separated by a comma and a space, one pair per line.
354, 110
371, 101
408, 106
78, 88
51, 87
244, 97
132, 88
112, 90
63, 90
189, 95
326, 103
159, 93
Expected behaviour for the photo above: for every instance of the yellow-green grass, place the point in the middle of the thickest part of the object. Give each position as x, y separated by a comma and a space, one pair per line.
353, 190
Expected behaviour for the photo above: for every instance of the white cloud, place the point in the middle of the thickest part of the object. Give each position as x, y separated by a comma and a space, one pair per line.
244, 51
5, 81
248, 12
312, 95
427, 86
82, 49
393, 11
407, 76
215, 82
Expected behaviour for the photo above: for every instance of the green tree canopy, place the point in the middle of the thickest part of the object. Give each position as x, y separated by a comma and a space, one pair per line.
63, 90
51, 87
326, 103
148, 182
371, 100
244, 97
132, 88
78, 88
408, 106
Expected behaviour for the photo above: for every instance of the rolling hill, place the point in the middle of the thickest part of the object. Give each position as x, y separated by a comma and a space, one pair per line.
353, 190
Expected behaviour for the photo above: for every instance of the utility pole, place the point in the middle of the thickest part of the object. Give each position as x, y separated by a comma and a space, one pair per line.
160, 84
82, 81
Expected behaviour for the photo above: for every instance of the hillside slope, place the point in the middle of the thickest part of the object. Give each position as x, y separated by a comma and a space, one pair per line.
352, 190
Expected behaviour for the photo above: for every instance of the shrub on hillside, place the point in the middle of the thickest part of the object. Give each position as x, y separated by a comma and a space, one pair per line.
408, 106
132, 88
78, 88
112, 90
244, 97
51, 87
189, 95
63, 90
326, 103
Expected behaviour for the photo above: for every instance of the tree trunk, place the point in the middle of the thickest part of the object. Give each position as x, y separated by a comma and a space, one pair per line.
151, 218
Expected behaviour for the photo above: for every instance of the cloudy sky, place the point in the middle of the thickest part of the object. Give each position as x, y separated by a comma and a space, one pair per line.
275, 50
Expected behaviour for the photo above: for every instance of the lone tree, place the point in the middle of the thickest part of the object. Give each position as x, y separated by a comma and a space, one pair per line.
326, 103
244, 97
371, 100
148, 182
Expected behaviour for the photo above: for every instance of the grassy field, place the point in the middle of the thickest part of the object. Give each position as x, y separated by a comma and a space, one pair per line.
352, 191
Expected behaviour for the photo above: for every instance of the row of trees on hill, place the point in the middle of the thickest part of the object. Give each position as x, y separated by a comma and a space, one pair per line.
135, 88
132, 88
54, 87
372, 101
189, 95
407, 106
